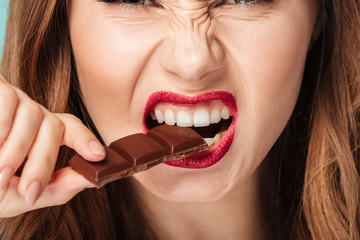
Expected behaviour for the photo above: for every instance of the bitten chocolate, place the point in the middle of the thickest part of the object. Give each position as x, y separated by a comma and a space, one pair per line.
138, 152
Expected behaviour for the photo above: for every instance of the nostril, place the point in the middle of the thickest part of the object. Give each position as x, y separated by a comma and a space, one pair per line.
191, 58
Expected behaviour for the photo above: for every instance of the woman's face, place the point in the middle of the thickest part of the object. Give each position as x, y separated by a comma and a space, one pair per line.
193, 62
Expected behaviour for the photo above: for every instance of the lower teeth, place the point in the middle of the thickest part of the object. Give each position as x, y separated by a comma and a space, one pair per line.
214, 140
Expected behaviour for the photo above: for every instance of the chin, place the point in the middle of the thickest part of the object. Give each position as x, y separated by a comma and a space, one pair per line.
184, 185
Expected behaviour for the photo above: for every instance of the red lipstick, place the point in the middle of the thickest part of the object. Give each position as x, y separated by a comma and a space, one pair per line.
214, 154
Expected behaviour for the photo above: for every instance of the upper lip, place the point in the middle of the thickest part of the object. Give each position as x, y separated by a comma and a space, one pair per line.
164, 96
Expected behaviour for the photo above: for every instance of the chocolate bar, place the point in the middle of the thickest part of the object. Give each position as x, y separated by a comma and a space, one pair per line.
138, 152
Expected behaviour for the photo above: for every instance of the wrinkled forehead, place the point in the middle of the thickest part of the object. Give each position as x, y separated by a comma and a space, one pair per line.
188, 4
188, 8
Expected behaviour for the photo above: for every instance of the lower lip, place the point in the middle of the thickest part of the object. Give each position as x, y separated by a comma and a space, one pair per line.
205, 158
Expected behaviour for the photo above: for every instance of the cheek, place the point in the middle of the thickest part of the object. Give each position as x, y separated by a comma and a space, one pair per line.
269, 60
108, 58
273, 74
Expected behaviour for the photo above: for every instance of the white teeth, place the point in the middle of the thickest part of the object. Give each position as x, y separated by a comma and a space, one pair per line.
152, 115
222, 133
215, 116
217, 137
169, 117
183, 119
212, 141
225, 114
201, 118
159, 116
209, 141
187, 117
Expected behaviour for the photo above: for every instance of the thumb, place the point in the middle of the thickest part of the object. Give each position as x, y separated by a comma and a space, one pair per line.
65, 184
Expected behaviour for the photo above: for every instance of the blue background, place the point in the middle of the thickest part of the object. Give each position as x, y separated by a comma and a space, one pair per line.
4, 6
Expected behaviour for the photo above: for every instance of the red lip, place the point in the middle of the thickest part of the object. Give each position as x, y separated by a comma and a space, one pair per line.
206, 158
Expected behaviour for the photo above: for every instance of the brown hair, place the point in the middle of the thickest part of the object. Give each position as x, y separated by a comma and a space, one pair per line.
316, 158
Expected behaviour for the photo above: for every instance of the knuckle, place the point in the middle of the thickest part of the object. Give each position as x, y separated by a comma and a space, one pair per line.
53, 126
57, 124
8, 95
71, 117
35, 112
7, 155
14, 156
48, 166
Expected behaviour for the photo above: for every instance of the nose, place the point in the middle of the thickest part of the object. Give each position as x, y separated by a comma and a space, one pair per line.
191, 50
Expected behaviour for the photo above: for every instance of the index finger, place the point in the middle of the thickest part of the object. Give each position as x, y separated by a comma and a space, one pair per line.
78, 137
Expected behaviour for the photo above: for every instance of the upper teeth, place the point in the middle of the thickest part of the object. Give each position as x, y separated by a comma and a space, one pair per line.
170, 117
201, 116
183, 119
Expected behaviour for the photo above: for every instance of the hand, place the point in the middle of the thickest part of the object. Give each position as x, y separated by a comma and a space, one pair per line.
29, 130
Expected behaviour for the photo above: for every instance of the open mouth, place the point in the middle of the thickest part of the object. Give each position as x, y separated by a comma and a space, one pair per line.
210, 119
212, 115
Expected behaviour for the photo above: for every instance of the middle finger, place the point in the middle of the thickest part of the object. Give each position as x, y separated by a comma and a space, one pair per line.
26, 123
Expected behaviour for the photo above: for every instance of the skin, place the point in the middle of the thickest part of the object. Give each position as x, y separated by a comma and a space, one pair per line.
38, 138
123, 54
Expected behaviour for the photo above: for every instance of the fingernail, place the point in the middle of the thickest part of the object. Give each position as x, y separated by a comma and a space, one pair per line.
33, 191
96, 148
5, 175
